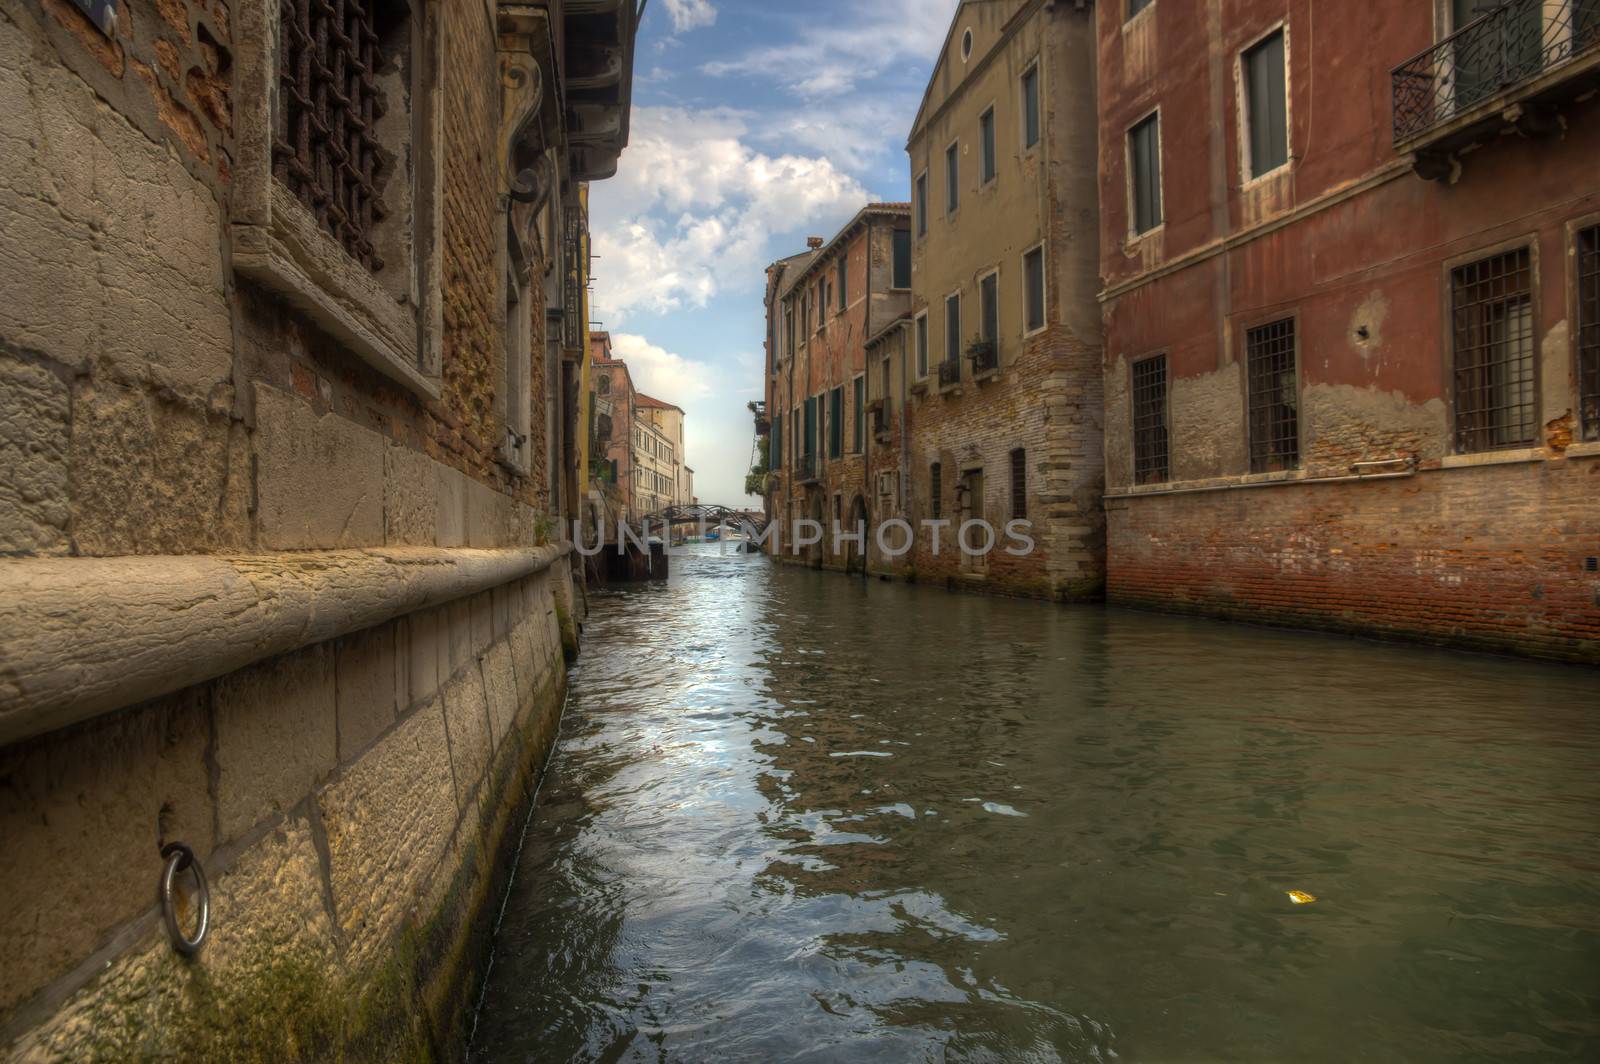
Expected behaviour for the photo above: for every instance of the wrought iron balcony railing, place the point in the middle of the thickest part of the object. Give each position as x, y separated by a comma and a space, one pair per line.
985, 355
949, 372
1509, 46
805, 468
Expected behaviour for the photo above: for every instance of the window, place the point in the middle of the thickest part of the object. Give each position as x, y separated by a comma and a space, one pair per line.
952, 328
788, 328
1033, 280
1136, 6
860, 399
515, 398
966, 46
835, 422
603, 385
1019, 484
935, 490
1492, 319
902, 258
1266, 103
1589, 327
1274, 397
1030, 107
805, 315
986, 128
811, 427
1150, 454
922, 345
922, 203
1144, 172
989, 307
952, 178
844, 279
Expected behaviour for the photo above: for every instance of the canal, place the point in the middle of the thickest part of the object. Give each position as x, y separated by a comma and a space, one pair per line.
799, 817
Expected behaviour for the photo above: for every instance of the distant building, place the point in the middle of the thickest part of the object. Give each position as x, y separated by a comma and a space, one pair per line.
822, 307
1003, 407
611, 434
1352, 314
658, 455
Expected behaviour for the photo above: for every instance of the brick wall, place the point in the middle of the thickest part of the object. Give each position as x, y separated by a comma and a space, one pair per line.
1491, 556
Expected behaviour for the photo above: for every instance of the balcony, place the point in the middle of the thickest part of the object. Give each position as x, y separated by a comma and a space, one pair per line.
1506, 70
805, 469
949, 373
985, 356
763, 424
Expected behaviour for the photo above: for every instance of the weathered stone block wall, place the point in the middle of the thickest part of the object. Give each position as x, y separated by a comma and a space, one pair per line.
1495, 556
348, 801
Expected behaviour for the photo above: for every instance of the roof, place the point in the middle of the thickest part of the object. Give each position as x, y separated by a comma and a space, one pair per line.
893, 210
641, 399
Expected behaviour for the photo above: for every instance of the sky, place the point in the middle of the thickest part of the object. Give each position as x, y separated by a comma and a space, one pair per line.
755, 125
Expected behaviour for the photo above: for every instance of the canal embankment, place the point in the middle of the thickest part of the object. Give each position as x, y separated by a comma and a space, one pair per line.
344, 744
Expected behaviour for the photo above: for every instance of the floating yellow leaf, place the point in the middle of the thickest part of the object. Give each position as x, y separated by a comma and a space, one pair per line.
1300, 897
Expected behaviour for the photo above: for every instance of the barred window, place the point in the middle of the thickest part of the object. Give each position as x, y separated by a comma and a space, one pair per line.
326, 149
1019, 484
1492, 320
1150, 453
1589, 329
935, 490
1274, 397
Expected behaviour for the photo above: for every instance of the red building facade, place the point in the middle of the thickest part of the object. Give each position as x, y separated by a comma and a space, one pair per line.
1352, 308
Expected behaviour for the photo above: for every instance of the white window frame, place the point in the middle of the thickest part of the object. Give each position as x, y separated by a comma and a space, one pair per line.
919, 210
999, 315
1241, 88
950, 211
1044, 288
960, 324
1036, 67
1134, 236
993, 111
392, 321
922, 343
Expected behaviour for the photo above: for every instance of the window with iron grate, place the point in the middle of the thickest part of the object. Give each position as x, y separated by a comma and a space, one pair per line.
1151, 461
326, 148
935, 490
1589, 331
1492, 327
1274, 397
1019, 484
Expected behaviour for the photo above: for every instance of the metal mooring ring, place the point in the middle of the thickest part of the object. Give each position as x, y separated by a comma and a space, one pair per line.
180, 857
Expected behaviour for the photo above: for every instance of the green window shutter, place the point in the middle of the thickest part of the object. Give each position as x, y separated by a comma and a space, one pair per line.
1269, 133
902, 258
836, 423
989, 299
952, 178
986, 124
952, 328
1033, 269
1030, 108
860, 397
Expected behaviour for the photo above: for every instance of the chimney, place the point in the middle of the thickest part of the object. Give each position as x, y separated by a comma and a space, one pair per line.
814, 242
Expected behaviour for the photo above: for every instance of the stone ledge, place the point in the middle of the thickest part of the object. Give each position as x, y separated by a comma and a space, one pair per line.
84, 636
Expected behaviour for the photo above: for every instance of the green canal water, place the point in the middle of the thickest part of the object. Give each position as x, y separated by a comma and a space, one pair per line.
800, 817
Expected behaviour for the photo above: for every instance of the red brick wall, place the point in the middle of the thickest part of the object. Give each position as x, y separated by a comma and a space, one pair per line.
1490, 556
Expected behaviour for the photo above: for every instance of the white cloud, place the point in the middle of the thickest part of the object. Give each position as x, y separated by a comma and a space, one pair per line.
690, 14
694, 208
662, 374
829, 57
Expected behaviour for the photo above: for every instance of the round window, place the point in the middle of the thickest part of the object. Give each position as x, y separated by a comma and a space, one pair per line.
966, 46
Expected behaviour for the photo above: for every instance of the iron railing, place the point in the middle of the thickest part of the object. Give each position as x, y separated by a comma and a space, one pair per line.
572, 323
1492, 323
1270, 357
985, 355
805, 467
949, 372
325, 148
1494, 53
1150, 438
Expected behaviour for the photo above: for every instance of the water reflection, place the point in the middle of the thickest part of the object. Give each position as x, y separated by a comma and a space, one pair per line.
803, 818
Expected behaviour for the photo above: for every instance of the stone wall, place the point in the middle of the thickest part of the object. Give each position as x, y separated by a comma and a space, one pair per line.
223, 525
348, 801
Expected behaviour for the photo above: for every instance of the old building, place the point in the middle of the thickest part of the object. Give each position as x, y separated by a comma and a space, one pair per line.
291, 347
614, 401
822, 308
659, 450
1352, 317
1005, 409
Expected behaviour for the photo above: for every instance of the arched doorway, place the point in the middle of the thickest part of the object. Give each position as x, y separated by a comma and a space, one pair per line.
855, 559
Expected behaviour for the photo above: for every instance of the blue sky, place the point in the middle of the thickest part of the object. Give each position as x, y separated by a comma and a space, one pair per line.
755, 125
